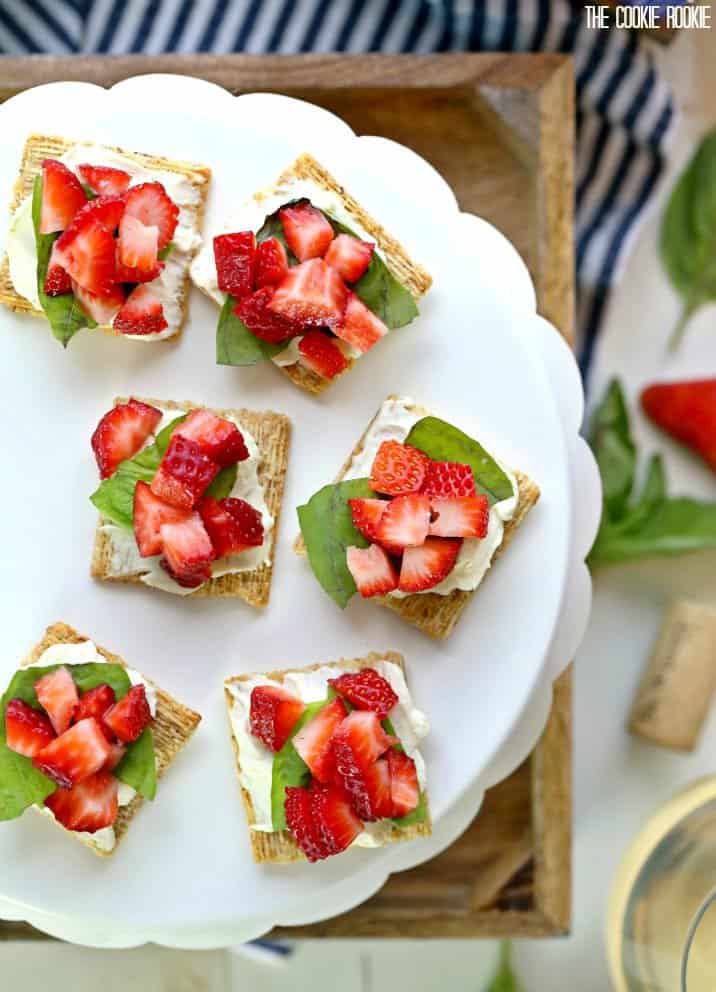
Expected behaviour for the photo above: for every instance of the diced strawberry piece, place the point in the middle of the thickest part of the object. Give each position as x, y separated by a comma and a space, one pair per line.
142, 313
313, 741
233, 525
57, 281
57, 695
95, 703
75, 755
128, 717
121, 433
398, 469
299, 819
219, 439
367, 514
89, 806
271, 263
273, 714
359, 326
373, 572
102, 309
405, 523
188, 552
125, 274
116, 753
370, 792
426, 566
687, 411
358, 741
311, 294
307, 231
137, 248
150, 204
448, 479
183, 474
235, 260
320, 353
459, 516
349, 256
404, 788
264, 323
366, 690
107, 210
27, 731
62, 196
86, 251
104, 180
150, 513
337, 824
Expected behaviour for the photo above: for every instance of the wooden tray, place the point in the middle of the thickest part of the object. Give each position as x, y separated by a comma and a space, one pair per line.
500, 129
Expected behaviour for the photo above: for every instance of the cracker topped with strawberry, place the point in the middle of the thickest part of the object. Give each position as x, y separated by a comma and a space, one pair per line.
306, 279
101, 237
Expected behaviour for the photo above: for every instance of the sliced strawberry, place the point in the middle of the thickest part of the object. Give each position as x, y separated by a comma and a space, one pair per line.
27, 731
149, 515
426, 566
264, 323
188, 552
137, 250
373, 572
349, 256
366, 690
57, 281
219, 439
62, 196
313, 741
103, 180
404, 788
235, 258
308, 233
95, 703
367, 514
370, 792
128, 718
337, 824
75, 755
121, 433
271, 263
102, 309
320, 353
89, 806
459, 516
107, 210
357, 742
359, 326
398, 469
273, 714
149, 203
57, 695
183, 474
86, 251
142, 313
448, 479
312, 294
233, 525
405, 523
687, 411
305, 830
116, 753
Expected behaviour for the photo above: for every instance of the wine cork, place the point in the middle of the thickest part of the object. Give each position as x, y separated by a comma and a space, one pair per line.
675, 691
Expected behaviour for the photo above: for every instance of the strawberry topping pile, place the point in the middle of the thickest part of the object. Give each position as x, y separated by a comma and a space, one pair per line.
109, 245
417, 527
311, 300
359, 774
77, 741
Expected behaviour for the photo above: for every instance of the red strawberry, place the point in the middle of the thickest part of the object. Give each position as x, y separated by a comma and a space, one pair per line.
320, 353
137, 251
372, 570
62, 196
142, 313
183, 474
367, 514
448, 479
405, 523
460, 516
128, 718
219, 439
264, 323
188, 552
426, 566
299, 819
149, 203
359, 741
75, 755
687, 411
273, 714
308, 233
57, 281
398, 469
313, 741
57, 695
95, 703
27, 730
312, 293
116, 753
122, 432
349, 256
337, 824
150, 513
404, 788
271, 263
104, 180
233, 525
359, 326
370, 792
107, 210
86, 251
235, 258
102, 309
366, 690
89, 806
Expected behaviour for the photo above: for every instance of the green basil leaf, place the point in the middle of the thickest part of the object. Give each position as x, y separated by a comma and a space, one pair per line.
445, 443
235, 344
614, 450
505, 979
89, 192
327, 528
674, 527
164, 253
289, 770
273, 228
223, 482
138, 767
418, 815
652, 494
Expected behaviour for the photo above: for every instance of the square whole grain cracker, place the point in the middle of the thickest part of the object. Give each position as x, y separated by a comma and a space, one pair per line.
41, 146
279, 847
272, 432
173, 725
432, 613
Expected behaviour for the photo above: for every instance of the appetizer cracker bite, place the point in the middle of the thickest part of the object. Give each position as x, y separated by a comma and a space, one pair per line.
306, 279
328, 757
84, 738
101, 237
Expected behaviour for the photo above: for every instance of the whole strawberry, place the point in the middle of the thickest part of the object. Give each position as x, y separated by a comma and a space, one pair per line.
687, 411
